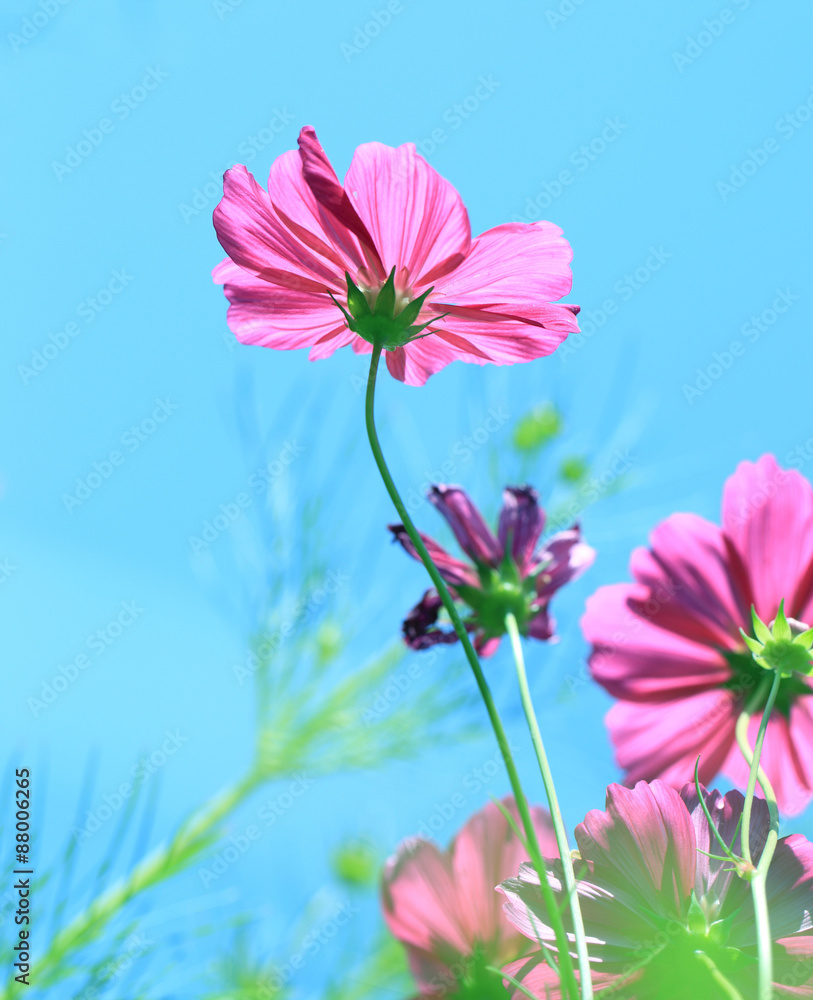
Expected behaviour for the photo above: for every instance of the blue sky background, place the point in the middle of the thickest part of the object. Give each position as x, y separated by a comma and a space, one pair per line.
694, 95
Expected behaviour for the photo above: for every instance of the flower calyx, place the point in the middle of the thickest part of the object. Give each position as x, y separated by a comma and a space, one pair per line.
784, 647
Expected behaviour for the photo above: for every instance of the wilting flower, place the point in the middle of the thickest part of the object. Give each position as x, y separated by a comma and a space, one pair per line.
669, 645
442, 905
387, 257
664, 921
509, 573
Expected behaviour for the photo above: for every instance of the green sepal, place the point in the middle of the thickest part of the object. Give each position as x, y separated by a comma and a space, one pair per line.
357, 302
761, 630
385, 301
410, 312
781, 629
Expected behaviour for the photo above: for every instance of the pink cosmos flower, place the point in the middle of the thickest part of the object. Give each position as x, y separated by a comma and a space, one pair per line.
669, 647
291, 250
443, 905
509, 573
663, 920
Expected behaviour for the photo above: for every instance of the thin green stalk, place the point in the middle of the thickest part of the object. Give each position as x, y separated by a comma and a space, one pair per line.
568, 978
555, 812
758, 881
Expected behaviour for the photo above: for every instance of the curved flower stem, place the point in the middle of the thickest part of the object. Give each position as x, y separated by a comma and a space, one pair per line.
555, 811
569, 984
758, 881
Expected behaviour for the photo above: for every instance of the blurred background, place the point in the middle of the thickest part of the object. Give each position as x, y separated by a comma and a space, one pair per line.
671, 142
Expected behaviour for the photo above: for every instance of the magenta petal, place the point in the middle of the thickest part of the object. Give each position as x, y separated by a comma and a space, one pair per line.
470, 530
635, 660
454, 571
417, 220
564, 558
768, 515
646, 836
321, 178
664, 739
522, 519
689, 577
419, 628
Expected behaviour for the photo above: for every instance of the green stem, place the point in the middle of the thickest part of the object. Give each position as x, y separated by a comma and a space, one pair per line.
555, 811
759, 878
568, 978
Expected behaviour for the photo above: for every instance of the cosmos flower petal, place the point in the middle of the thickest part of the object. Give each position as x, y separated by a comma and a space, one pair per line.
472, 533
454, 571
420, 629
564, 558
637, 661
768, 515
521, 520
699, 725
417, 220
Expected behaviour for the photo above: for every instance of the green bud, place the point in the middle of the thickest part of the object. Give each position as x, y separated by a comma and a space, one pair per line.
537, 428
356, 864
784, 647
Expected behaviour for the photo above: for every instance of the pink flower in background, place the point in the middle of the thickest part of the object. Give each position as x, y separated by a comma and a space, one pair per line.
508, 572
664, 920
444, 907
669, 648
291, 247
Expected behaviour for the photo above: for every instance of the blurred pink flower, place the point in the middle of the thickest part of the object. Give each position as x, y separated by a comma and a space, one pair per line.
444, 907
509, 573
669, 648
290, 247
660, 915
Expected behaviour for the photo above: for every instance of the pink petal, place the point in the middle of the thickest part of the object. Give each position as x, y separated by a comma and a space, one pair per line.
664, 739
417, 220
543, 981
768, 515
790, 888
786, 757
688, 564
252, 233
472, 533
321, 180
485, 853
420, 901
523, 519
515, 269
646, 835
279, 317
454, 571
567, 557
634, 659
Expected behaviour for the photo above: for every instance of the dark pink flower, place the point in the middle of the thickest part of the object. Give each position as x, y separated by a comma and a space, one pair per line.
506, 573
443, 905
660, 915
669, 647
291, 247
